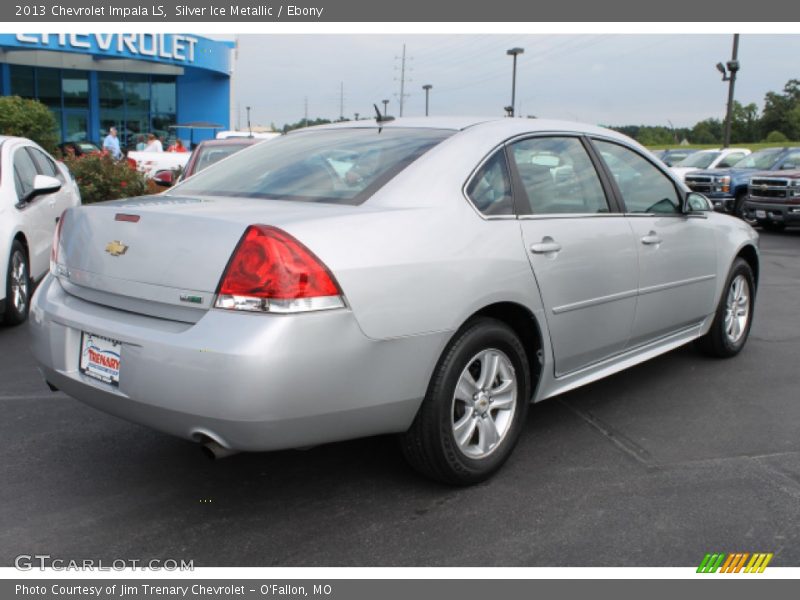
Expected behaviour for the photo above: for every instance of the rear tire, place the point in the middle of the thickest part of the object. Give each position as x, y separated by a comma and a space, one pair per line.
18, 286
475, 407
731, 326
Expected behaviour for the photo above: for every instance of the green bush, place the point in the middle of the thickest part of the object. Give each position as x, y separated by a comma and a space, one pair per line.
776, 136
29, 119
100, 178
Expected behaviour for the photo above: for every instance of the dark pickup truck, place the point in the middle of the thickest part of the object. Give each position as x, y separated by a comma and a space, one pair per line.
727, 188
773, 199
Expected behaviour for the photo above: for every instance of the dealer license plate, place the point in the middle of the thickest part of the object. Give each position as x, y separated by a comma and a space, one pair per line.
100, 358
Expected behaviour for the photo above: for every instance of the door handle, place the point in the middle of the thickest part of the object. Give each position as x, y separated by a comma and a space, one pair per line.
547, 246
651, 239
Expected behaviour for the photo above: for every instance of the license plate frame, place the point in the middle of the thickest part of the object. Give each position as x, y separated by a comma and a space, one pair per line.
100, 358
761, 214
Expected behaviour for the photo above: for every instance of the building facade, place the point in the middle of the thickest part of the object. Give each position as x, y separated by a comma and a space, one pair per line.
138, 82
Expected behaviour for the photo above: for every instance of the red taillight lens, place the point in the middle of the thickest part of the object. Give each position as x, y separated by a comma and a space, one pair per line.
272, 271
56, 239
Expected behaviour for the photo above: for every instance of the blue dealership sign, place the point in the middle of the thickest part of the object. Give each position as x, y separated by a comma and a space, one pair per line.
171, 48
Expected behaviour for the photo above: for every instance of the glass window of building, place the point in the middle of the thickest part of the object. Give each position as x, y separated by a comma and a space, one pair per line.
76, 89
48, 87
22, 81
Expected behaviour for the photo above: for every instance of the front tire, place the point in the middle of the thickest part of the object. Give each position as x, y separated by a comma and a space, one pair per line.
475, 407
731, 326
18, 286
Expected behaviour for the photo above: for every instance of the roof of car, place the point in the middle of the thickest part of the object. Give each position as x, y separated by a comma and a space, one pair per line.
509, 126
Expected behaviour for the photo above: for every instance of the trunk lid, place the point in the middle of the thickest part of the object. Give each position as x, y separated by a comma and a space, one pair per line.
164, 256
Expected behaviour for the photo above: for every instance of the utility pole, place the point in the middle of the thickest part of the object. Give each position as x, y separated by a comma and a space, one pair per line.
427, 87
356, 116
403, 94
249, 128
729, 75
385, 107
305, 112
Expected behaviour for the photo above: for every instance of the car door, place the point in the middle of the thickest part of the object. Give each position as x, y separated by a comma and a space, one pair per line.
579, 246
677, 251
37, 214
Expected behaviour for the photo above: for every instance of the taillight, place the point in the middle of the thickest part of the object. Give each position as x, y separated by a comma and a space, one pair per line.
271, 271
56, 239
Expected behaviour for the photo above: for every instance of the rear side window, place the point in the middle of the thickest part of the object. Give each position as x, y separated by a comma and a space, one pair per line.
342, 166
490, 187
730, 160
644, 188
558, 177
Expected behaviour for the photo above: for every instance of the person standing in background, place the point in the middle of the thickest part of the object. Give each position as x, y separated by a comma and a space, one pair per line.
111, 144
153, 144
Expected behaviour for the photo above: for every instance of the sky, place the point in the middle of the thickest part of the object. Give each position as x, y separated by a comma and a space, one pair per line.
608, 79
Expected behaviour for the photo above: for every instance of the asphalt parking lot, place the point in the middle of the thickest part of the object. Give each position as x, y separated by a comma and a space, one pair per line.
652, 467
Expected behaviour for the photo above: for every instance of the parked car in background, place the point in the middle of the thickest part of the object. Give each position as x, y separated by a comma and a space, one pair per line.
671, 157
709, 159
35, 190
151, 163
211, 152
78, 148
727, 188
773, 199
445, 273
206, 154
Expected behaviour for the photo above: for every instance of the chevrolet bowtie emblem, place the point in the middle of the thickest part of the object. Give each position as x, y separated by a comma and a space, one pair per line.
116, 248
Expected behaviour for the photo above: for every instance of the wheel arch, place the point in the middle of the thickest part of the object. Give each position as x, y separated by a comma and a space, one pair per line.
525, 324
750, 256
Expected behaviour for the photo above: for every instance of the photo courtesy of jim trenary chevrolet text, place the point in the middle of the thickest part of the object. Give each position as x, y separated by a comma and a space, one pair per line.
341, 299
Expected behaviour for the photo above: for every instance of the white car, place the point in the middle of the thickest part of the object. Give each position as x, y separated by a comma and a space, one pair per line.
151, 163
264, 135
34, 190
709, 159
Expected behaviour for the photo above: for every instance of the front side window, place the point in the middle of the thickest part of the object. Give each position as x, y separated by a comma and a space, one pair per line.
644, 187
792, 161
698, 160
341, 166
558, 177
730, 160
44, 164
25, 172
490, 188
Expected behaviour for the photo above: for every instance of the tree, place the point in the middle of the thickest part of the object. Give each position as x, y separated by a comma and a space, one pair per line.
776, 137
29, 119
305, 123
780, 111
745, 123
708, 131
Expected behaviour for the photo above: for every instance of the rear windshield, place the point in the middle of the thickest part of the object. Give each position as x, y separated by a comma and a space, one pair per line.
342, 166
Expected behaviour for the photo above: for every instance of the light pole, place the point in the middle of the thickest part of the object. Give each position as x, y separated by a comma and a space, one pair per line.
729, 75
385, 107
249, 129
514, 52
356, 116
427, 87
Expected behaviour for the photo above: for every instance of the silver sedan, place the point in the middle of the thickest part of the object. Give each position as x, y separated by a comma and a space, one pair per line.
428, 278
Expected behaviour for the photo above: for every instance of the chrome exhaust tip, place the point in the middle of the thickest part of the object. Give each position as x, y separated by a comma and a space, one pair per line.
216, 451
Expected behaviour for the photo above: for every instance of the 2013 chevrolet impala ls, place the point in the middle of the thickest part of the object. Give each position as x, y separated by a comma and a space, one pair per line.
425, 277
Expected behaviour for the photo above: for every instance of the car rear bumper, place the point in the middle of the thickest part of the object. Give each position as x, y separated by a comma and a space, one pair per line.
772, 212
248, 381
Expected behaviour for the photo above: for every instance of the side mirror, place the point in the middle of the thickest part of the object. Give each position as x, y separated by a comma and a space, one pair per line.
42, 184
697, 203
164, 178
788, 166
